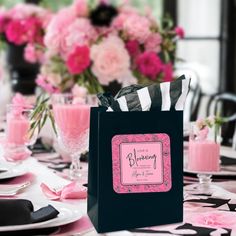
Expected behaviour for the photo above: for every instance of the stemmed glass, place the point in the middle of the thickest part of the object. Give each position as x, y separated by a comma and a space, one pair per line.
72, 120
203, 158
17, 132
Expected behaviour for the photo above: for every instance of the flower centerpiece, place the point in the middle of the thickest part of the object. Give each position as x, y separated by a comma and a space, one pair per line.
90, 44
23, 25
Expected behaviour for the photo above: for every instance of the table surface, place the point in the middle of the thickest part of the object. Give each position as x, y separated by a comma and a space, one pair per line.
225, 190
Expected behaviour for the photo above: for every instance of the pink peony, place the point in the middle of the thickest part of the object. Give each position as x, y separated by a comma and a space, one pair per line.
32, 55
81, 8
111, 60
137, 28
180, 31
149, 64
168, 72
42, 82
79, 33
133, 48
16, 32
153, 43
57, 30
78, 60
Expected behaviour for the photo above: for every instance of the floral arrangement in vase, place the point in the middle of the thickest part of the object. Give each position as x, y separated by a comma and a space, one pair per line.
90, 44
24, 24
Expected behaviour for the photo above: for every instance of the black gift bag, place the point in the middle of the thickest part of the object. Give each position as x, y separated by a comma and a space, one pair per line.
135, 169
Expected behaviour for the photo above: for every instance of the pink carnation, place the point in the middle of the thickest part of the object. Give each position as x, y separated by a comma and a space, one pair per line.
43, 83
79, 33
111, 61
133, 48
137, 27
33, 26
16, 32
78, 60
168, 72
180, 31
153, 43
81, 8
149, 64
32, 55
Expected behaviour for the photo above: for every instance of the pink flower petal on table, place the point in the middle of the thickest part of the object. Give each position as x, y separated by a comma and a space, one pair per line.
74, 191
49, 193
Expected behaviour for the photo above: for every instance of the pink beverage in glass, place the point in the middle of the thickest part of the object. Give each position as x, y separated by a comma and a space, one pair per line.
17, 129
204, 156
72, 121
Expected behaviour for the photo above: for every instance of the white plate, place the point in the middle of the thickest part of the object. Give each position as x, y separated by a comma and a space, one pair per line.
68, 214
13, 171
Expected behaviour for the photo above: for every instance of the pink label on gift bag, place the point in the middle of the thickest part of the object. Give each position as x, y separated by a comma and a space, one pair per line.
141, 163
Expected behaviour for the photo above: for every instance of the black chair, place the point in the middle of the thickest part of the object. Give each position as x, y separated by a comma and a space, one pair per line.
225, 105
195, 94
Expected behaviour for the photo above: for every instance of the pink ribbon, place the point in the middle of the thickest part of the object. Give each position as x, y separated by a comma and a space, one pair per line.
70, 191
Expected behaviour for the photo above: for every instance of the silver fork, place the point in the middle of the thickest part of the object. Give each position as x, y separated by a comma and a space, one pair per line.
11, 190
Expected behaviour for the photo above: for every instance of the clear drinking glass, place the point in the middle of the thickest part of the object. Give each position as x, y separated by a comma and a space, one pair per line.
72, 123
203, 157
17, 132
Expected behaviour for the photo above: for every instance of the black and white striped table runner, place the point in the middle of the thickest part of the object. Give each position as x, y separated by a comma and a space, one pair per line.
164, 96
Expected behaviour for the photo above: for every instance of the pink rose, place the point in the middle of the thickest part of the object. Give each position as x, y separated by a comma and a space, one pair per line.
137, 28
111, 60
79, 33
180, 31
149, 64
168, 72
81, 8
133, 48
78, 60
153, 43
32, 55
16, 32
203, 133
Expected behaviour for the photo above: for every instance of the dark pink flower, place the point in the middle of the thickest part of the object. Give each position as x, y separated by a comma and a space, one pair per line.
133, 48
168, 72
180, 31
15, 32
149, 64
78, 60
33, 33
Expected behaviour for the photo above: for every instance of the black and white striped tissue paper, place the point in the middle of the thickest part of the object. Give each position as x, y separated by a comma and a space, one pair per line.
164, 96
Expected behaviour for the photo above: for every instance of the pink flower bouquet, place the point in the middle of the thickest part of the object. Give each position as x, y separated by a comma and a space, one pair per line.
24, 24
